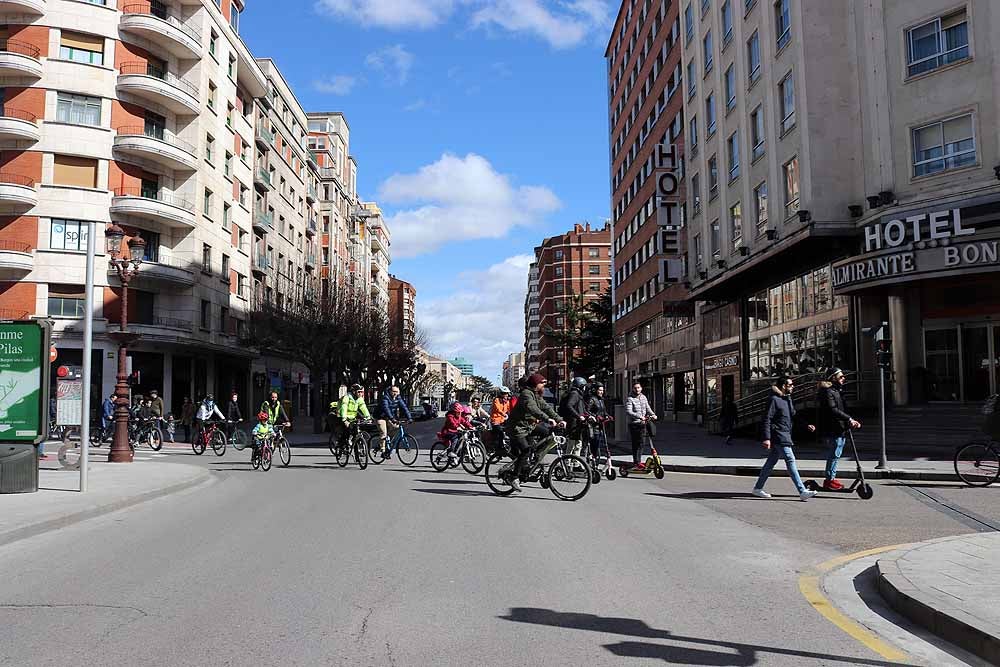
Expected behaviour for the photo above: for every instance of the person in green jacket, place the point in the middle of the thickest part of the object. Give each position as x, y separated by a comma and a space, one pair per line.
532, 417
352, 404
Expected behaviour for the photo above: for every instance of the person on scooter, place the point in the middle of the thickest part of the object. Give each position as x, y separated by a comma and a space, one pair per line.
532, 417
833, 422
598, 412
573, 409
640, 413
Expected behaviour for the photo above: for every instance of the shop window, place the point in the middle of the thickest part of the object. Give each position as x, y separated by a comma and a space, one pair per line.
68, 235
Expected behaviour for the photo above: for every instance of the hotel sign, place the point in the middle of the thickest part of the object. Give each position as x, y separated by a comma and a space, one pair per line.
917, 247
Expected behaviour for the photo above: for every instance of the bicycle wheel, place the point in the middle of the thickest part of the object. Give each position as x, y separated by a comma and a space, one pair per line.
284, 451
198, 444
361, 450
266, 456
332, 443
240, 439
474, 458
569, 477
376, 446
439, 456
155, 439
977, 463
342, 452
255, 459
407, 450
497, 474
219, 443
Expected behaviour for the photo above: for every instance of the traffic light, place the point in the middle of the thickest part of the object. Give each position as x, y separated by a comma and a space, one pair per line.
883, 352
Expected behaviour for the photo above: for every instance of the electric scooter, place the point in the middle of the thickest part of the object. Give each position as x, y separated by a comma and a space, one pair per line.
602, 461
652, 465
859, 485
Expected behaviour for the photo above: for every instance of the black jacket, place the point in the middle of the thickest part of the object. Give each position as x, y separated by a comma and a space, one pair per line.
595, 407
233, 413
779, 418
573, 406
831, 410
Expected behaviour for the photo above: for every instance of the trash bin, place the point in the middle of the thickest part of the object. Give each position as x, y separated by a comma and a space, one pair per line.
18, 468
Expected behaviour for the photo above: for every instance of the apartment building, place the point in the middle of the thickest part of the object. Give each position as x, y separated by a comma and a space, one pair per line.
532, 319
513, 370
141, 114
402, 313
656, 337
376, 240
857, 137
571, 266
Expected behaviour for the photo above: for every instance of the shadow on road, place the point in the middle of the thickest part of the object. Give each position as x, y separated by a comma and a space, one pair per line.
739, 495
739, 654
449, 481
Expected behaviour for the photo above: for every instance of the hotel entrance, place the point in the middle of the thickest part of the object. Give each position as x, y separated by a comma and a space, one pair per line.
962, 361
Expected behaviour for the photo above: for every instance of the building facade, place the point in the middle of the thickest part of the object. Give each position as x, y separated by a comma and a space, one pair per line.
513, 370
463, 365
402, 313
532, 319
656, 337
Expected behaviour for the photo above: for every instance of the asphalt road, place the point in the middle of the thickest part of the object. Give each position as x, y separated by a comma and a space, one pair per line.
318, 565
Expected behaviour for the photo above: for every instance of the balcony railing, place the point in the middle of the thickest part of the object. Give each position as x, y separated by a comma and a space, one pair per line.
311, 191
148, 69
20, 48
8, 178
263, 218
11, 314
311, 226
7, 111
15, 246
159, 10
156, 195
263, 175
260, 262
266, 134
158, 133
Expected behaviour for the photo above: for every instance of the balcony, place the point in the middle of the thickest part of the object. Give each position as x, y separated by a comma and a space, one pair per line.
263, 136
163, 327
17, 192
165, 209
311, 227
19, 59
310, 260
260, 263
22, 6
165, 272
263, 221
311, 194
151, 83
262, 178
18, 125
16, 260
157, 145
151, 20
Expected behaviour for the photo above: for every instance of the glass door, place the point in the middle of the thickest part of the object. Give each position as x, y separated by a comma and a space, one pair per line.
942, 362
976, 371
996, 358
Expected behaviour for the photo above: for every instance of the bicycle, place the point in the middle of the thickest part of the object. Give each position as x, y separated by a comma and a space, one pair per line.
209, 435
263, 453
148, 431
238, 438
401, 442
356, 442
465, 448
977, 463
281, 444
568, 476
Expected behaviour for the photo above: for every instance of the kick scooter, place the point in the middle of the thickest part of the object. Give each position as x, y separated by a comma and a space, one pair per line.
859, 485
652, 465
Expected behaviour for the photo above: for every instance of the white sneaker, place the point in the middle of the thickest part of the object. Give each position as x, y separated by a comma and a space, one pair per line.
806, 495
761, 493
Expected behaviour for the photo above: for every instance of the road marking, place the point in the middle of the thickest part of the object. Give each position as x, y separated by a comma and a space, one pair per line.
810, 587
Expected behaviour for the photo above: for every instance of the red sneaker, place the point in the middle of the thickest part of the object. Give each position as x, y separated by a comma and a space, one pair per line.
639, 467
832, 485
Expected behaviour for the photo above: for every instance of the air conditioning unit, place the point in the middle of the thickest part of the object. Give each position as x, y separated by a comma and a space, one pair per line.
805, 216
772, 234
744, 251
856, 210
721, 263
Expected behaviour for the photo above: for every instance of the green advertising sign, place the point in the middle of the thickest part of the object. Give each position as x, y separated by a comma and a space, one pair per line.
24, 363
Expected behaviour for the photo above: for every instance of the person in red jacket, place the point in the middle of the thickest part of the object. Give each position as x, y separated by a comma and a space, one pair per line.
455, 420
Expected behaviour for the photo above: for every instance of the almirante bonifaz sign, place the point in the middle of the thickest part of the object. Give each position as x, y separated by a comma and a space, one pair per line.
24, 372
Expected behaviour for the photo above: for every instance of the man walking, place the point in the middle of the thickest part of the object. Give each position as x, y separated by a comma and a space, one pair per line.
233, 414
778, 427
833, 422
155, 403
640, 413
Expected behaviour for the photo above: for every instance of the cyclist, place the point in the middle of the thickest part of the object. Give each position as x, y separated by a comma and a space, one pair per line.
455, 421
392, 408
477, 411
207, 410
499, 412
350, 405
275, 410
532, 418
261, 431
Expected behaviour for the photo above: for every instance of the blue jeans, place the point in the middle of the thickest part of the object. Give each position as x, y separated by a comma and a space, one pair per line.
836, 444
776, 451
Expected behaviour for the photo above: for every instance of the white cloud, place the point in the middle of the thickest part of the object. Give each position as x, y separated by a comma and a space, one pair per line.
416, 105
396, 14
480, 322
393, 61
459, 199
562, 28
339, 84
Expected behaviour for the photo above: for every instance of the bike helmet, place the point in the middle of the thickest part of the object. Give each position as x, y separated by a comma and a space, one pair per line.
356, 387
504, 390
579, 382
262, 417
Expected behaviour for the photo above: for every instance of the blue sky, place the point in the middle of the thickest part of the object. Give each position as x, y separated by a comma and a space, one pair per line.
479, 127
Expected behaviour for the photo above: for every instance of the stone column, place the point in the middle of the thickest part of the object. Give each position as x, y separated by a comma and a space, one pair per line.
900, 353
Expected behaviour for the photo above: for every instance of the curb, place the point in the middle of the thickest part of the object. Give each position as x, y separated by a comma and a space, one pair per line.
948, 622
41, 527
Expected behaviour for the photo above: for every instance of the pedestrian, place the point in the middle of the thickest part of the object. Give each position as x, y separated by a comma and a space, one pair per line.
233, 414
778, 422
156, 403
833, 423
187, 417
597, 411
727, 418
573, 409
640, 413
108, 414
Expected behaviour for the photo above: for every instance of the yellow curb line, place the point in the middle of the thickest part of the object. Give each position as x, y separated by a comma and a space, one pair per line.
810, 588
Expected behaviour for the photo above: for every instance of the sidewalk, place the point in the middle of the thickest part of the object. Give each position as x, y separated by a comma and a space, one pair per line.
113, 486
690, 448
950, 586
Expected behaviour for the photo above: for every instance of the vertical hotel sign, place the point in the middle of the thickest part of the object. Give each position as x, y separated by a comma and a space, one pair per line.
24, 373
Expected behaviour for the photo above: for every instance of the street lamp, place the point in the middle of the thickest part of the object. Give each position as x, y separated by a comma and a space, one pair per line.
126, 269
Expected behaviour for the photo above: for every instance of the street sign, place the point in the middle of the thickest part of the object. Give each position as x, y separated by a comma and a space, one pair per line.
24, 382
53, 354
69, 402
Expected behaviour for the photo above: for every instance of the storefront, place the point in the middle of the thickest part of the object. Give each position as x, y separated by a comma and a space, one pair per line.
722, 377
934, 275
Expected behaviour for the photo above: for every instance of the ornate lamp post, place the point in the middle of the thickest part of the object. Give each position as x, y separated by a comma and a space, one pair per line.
126, 269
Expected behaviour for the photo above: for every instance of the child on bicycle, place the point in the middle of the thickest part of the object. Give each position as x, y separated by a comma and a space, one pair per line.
261, 431
456, 420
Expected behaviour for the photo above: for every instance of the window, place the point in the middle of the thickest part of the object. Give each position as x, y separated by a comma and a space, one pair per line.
947, 144
710, 115
231, 69
727, 22
206, 258
225, 267
227, 167
558, 254
594, 270
736, 224
68, 235
705, 5
213, 42
782, 22
753, 57
757, 131
78, 109
731, 88
693, 134
206, 203
699, 258
66, 300
786, 90
559, 272
74, 171
243, 194
234, 18
760, 206
707, 51
81, 48
937, 43
206, 314
224, 320
226, 213
692, 83
733, 153
696, 193
689, 23
713, 176
593, 252
212, 91
791, 171
715, 238
229, 115
209, 148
